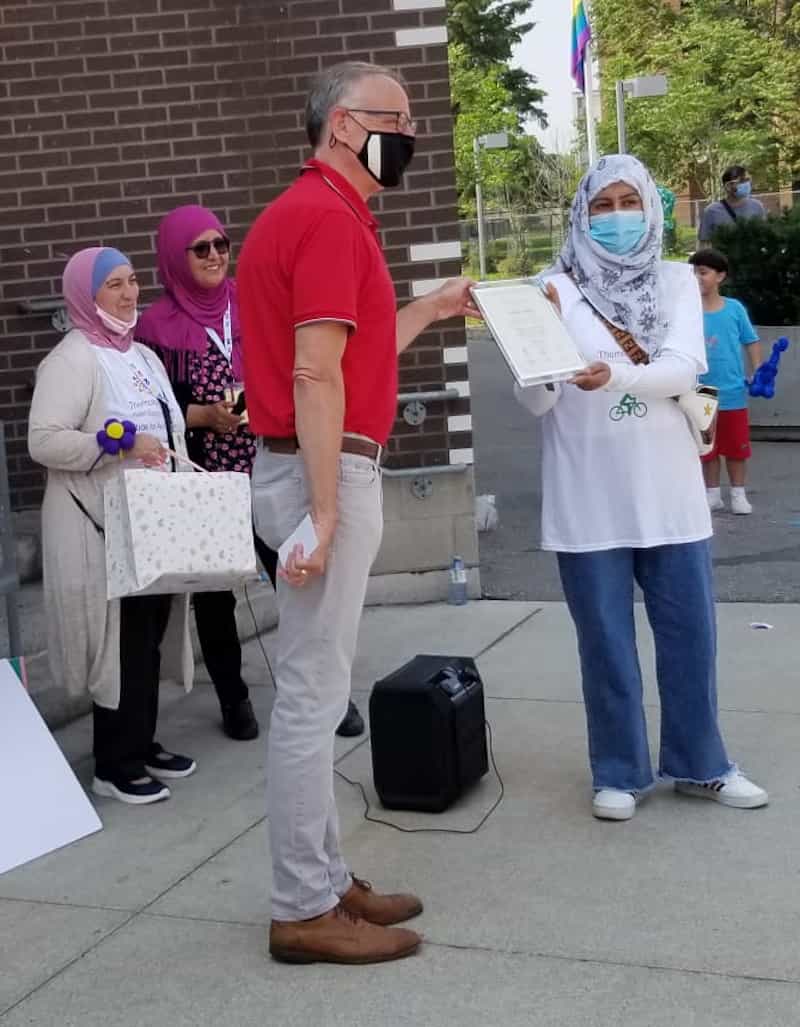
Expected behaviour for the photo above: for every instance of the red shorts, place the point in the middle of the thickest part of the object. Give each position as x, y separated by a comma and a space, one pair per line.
733, 436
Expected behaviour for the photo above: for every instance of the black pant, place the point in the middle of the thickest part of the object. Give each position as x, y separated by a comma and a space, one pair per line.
215, 615
123, 736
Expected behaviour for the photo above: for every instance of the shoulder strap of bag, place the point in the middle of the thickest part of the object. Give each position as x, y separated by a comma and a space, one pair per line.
730, 210
703, 436
166, 413
625, 341
83, 510
634, 352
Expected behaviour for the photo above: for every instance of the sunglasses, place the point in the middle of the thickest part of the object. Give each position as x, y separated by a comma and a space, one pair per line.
202, 249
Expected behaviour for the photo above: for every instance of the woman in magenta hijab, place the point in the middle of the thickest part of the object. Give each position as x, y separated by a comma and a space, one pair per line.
194, 327
111, 649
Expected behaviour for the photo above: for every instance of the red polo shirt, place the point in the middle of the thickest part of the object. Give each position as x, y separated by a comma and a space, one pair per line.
314, 255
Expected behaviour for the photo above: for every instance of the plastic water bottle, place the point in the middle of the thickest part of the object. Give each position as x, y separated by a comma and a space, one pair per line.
457, 586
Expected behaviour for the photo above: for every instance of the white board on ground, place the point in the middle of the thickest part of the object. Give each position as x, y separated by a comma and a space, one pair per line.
42, 805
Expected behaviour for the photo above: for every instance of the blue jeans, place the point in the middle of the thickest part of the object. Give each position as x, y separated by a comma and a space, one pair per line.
678, 594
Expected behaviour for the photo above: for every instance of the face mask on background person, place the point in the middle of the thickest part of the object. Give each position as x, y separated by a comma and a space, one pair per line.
618, 232
113, 324
743, 190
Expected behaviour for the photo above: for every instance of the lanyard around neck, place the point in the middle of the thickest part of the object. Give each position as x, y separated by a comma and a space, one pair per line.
224, 345
335, 188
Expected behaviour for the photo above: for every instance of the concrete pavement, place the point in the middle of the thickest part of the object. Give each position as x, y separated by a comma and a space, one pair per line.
756, 558
687, 915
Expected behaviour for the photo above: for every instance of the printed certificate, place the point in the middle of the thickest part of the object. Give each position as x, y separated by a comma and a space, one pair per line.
528, 331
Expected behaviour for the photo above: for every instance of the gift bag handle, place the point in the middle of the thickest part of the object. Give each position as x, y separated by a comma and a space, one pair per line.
185, 460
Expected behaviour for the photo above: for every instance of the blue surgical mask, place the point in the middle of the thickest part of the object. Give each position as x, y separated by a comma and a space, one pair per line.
618, 232
743, 190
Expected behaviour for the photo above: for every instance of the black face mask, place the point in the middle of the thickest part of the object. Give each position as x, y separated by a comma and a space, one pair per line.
386, 155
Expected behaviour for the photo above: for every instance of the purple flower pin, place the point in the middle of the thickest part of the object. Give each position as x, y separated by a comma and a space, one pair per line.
116, 436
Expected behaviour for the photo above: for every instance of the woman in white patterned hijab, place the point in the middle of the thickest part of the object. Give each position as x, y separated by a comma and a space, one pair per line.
623, 499
623, 286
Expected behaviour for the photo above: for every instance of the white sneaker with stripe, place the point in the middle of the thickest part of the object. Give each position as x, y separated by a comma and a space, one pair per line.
732, 790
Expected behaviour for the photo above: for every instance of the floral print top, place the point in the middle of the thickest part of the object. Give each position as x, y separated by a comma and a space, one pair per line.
209, 375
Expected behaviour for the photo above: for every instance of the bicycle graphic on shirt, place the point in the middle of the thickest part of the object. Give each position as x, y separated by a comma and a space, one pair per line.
628, 406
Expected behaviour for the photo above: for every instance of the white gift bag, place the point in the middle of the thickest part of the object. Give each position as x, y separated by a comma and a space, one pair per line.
168, 533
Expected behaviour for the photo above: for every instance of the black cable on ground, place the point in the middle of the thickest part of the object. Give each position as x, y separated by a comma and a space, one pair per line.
357, 784
258, 637
431, 830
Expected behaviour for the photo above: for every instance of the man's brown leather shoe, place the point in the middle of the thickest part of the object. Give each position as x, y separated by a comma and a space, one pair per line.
339, 937
385, 910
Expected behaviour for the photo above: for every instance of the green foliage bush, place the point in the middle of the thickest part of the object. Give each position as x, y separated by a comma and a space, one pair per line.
764, 261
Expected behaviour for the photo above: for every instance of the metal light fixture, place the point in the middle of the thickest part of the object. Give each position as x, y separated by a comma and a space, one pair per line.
491, 141
645, 85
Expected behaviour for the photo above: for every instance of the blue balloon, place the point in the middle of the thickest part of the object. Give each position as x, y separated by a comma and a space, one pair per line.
763, 383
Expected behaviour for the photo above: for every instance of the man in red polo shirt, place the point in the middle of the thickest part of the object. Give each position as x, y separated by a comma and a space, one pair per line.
321, 338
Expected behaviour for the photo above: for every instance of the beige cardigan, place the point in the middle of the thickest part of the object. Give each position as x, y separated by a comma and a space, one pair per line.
83, 626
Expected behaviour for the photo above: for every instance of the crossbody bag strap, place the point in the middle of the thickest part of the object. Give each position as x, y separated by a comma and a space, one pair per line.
625, 341
98, 528
634, 352
730, 210
166, 413
637, 355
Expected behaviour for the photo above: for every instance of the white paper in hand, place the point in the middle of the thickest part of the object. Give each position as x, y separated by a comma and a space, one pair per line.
303, 535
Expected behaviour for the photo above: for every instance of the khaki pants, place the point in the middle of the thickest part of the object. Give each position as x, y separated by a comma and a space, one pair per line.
317, 635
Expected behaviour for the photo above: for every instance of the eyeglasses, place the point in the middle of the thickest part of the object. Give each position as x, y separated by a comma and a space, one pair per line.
402, 122
202, 249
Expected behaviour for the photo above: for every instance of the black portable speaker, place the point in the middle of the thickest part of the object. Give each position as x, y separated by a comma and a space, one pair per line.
428, 732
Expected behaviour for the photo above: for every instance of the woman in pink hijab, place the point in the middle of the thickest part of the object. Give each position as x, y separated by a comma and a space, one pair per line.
194, 327
110, 649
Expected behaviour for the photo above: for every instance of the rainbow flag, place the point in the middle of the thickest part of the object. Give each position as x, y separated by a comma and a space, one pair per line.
581, 37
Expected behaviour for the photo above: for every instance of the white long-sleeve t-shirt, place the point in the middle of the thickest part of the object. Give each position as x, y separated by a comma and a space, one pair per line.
619, 465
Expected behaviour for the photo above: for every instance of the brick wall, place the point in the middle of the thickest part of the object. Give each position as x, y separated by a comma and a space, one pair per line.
113, 111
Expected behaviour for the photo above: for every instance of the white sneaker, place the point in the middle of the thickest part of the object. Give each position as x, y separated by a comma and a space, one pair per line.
733, 790
714, 500
612, 804
740, 503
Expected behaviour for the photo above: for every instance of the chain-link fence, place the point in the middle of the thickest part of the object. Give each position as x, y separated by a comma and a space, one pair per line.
516, 244
523, 244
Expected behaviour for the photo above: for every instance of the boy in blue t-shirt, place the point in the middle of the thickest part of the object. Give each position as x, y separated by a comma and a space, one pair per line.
729, 334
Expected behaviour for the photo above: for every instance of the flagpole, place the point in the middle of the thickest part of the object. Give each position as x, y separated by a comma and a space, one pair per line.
588, 92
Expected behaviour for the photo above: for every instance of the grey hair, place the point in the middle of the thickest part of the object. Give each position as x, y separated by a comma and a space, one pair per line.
331, 85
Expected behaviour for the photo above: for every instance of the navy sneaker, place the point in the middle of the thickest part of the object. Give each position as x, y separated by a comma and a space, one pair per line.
137, 792
161, 763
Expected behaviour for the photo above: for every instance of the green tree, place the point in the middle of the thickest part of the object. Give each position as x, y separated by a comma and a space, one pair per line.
734, 85
523, 177
484, 105
487, 31
770, 289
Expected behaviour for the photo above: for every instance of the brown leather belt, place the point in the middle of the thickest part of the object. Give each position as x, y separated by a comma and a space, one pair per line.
359, 447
